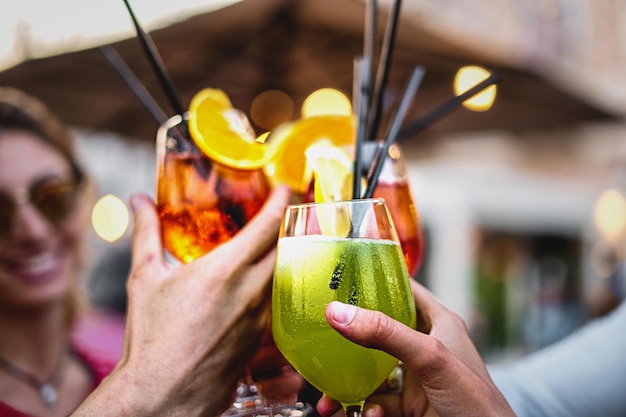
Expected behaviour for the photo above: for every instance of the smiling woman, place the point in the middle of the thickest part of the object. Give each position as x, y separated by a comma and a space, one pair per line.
44, 369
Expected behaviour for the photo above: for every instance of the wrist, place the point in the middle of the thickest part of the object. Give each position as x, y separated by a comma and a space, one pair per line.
119, 395
125, 393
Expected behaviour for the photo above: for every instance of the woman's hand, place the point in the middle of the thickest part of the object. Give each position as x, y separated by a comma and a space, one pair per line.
444, 374
190, 329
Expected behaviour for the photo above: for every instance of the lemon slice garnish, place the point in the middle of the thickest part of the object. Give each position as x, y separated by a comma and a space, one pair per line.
332, 169
223, 133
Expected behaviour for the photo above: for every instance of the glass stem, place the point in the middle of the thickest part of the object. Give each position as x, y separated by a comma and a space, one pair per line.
353, 411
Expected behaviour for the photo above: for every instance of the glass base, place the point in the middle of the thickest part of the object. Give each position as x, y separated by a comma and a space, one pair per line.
247, 399
296, 410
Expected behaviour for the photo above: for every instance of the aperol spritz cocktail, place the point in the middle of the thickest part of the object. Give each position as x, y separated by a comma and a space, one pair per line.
201, 203
210, 183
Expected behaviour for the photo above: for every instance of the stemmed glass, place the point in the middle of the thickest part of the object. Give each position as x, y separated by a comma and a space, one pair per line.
346, 251
202, 204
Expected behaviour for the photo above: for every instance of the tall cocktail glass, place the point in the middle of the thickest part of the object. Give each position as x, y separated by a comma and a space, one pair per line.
202, 204
346, 251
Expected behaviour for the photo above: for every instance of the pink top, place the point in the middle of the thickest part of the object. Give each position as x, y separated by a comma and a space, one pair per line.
97, 342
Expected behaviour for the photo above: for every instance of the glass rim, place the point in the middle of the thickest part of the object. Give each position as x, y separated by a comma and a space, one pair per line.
174, 120
340, 202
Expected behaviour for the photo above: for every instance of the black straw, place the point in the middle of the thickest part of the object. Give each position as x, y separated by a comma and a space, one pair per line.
382, 73
398, 119
157, 63
363, 68
446, 107
369, 40
135, 85
361, 64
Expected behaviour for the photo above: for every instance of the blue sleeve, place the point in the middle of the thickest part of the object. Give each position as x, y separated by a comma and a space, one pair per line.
582, 375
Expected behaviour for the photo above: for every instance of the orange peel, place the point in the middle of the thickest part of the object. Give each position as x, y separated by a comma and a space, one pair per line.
291, 141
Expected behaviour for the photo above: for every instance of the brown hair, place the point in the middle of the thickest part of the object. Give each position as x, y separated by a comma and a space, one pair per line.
19, 111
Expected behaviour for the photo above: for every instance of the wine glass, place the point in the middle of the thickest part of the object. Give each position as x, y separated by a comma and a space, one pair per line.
346, 251
202, 204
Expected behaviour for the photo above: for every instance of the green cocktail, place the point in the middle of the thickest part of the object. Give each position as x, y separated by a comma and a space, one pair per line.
314, 269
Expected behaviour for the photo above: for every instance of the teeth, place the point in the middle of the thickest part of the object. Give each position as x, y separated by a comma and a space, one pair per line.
38, 264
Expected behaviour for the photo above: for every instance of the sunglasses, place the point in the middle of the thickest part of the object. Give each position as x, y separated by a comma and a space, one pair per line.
54, 198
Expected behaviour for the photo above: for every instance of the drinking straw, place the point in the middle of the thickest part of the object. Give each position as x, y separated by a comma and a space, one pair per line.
156, 61
135, 85
409, 93
361, 68
356, 84
382, 73
369, 39
447, 106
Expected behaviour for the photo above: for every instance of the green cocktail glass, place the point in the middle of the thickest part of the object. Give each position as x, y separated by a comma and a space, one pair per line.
342, 251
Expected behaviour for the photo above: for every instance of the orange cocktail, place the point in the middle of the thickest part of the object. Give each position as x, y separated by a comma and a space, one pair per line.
210, 183
397, 195
206, 194
201, 203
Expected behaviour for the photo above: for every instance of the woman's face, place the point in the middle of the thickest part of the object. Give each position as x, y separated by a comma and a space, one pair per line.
39, 254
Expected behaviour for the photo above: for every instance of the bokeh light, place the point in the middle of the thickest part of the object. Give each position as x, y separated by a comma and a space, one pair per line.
271, 108
466, 78
110, 218
609, 215
326, 101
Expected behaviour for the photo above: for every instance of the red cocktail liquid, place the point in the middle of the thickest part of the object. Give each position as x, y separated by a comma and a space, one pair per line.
399, 201
203, 204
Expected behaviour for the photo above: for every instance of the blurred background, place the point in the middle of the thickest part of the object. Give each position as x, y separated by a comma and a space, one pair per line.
522, 204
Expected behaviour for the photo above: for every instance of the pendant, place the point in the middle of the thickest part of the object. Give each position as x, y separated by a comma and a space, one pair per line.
48, 395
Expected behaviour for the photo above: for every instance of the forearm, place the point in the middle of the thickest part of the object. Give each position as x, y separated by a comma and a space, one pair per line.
581, 375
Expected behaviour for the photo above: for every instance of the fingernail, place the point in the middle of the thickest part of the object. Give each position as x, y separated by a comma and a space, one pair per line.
342, 313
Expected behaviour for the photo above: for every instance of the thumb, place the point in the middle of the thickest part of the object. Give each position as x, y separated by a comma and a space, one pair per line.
375, 330
146, 239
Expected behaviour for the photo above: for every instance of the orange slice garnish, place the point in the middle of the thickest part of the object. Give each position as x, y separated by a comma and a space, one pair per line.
288, 162
223, 133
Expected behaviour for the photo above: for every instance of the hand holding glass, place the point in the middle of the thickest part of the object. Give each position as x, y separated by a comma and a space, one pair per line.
201, 205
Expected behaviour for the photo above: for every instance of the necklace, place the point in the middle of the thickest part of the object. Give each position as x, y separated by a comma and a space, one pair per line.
47, 388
